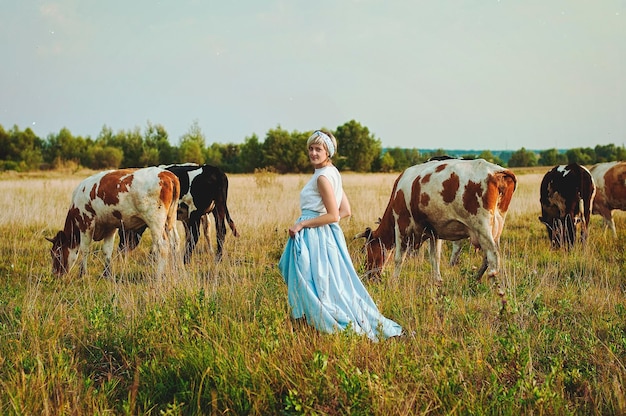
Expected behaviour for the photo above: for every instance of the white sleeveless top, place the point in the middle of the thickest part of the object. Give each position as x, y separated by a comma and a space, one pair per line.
310, 198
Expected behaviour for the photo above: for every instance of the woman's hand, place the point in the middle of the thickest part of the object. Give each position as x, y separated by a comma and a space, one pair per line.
294, 229
330, 203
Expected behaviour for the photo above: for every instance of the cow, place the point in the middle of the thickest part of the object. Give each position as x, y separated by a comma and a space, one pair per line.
610, 180
118, 199
566, 197
450, 199
204, 189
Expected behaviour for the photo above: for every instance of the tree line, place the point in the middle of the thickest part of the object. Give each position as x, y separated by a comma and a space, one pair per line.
279, 151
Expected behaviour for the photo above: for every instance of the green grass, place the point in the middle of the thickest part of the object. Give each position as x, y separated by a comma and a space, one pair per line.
217, 339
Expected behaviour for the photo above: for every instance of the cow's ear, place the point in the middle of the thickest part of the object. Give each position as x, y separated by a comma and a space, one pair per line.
49, 239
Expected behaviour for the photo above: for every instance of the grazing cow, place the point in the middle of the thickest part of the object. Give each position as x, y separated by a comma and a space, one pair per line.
125, 198
204, 189
448, 199
610, 180
566, 197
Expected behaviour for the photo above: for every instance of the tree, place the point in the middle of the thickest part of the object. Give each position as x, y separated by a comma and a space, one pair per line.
65, 147
229, 154
251, 154
413, 157
213, 155
402, 158
490, 157
608, 153
582, 156
360, 148
551, 157
286, 152
157, 149
22, 147
387, 162
192, 143
397, 157
107, 157
522, 158
129, 142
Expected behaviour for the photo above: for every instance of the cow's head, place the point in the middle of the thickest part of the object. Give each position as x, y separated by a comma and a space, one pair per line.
562, 233
375, 250
63, 255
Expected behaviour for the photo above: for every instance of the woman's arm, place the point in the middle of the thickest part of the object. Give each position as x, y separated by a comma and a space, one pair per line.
344, 207
332, 211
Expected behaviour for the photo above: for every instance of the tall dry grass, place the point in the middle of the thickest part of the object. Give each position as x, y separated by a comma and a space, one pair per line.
214, 339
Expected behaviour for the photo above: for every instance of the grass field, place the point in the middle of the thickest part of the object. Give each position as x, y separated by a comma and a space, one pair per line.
217, 339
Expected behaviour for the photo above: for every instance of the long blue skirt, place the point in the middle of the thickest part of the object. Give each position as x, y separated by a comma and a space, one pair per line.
323, 285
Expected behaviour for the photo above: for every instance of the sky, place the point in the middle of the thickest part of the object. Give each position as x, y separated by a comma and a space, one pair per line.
472, 74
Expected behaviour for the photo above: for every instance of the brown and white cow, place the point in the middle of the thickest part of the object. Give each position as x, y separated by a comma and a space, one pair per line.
566, 197
610, 180
125, 198
443, 200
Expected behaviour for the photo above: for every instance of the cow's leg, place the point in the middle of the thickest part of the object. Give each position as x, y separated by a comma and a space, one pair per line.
205, 222
174, 240
435, 259
399, 255
586, 217
401, 249
160, 249
584, 232
220, 231
85, 242
607, 219
193, 234
609, 222
107, 247
456, 252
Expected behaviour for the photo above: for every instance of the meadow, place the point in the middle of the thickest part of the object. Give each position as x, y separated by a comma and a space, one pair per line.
217, 338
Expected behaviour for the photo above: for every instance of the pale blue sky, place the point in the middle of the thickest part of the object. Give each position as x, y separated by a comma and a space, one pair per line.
476, 74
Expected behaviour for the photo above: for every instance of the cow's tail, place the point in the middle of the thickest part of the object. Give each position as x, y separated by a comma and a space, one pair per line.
173, 208
581, 209
230, 221
231, 224
506, 187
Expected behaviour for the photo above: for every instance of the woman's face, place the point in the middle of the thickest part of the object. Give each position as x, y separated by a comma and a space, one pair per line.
317, 154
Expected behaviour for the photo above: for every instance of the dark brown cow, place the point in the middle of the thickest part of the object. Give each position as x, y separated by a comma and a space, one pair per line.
566, 197
443, 200
125, 198
610, 180
204, 189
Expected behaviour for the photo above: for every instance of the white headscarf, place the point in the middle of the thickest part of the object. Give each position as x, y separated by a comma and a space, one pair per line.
326, 138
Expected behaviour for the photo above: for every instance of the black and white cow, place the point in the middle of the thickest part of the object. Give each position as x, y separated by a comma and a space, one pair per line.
203, 189
566, 198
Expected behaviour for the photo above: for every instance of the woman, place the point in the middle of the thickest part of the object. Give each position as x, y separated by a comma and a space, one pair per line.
323, 286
